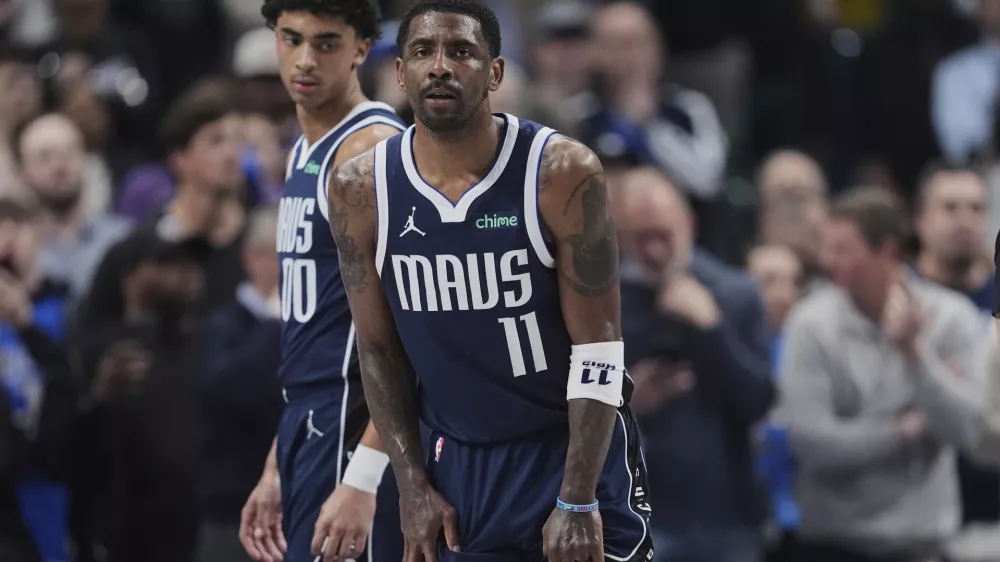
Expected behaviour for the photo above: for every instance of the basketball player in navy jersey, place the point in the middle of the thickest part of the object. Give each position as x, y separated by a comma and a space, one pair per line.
481, 263
326, 449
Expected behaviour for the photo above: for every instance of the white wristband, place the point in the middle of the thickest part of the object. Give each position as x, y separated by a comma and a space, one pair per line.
597, 372
365, 470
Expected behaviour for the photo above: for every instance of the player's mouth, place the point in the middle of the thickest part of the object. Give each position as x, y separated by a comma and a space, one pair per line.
440, 98
304, 85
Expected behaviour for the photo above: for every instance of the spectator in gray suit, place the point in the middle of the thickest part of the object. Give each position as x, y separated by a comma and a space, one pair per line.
879, 387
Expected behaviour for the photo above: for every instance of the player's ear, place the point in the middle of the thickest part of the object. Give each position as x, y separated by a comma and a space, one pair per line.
496, 73
364, 46
399, 75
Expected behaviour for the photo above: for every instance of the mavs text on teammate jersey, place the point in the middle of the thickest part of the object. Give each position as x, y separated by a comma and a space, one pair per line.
317, 338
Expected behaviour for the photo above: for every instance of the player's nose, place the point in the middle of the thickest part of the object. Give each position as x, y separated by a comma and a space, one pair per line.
306, 58
441, 67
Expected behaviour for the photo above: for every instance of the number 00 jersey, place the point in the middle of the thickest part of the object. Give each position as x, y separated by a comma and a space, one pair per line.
474, 292
317, 336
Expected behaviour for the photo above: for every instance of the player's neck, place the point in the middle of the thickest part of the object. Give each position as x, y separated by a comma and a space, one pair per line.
317, 122
469, 151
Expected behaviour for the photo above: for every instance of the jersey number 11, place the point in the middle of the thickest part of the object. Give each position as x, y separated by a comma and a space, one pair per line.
510, 328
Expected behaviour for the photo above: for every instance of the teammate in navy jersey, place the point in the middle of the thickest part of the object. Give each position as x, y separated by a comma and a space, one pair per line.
319, 483
480, 261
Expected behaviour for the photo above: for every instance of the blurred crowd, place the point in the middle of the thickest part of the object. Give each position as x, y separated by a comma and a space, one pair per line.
807, 194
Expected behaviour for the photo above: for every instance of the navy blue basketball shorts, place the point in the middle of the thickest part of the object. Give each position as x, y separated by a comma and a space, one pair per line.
314, 448
504, 493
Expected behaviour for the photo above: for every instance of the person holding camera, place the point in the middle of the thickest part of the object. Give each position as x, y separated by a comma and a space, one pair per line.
699, 354
138, 483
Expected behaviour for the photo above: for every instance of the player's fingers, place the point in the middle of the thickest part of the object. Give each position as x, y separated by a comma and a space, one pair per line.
249, 546
267, 540
333, 546
559, 552
265, 556
247, 519
596, 551
352, 544
412, 552
429, 551
271, 549
451, 530
320, 536
279, 535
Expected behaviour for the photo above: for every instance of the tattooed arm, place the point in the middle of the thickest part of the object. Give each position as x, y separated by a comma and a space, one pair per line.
574, 206
390, 387
386, 374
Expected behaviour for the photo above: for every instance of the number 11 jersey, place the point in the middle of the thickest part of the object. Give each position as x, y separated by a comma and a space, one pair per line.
474, 292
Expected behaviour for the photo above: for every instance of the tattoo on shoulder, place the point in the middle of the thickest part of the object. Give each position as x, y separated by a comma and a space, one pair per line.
595, 248
544, 166
350, 193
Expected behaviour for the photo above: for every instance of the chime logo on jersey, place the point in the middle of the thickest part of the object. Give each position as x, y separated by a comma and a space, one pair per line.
295, 236
494, 220
457, 283
312, 169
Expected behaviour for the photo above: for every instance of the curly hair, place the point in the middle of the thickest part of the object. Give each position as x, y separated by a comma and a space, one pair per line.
362, 15
475, 9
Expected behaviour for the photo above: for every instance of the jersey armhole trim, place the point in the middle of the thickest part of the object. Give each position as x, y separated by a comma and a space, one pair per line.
322, 185
532, 215
293, 156
381, 205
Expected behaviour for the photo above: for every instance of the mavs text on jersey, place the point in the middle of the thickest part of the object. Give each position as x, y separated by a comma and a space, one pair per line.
475, 299
474, 293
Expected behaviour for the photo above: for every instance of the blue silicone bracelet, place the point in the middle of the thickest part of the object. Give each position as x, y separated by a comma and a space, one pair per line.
576, 508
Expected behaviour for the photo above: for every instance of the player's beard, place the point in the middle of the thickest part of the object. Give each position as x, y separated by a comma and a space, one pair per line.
443, 124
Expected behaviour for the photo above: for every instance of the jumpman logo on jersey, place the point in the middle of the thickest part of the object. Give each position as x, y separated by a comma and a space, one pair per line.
409, 227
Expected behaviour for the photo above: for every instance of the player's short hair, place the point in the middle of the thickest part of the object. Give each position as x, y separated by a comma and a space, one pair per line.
878, 213
203, 104
930, 172
475, 9
362, 15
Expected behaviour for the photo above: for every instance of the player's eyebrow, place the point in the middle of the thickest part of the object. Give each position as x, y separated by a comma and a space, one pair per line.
326, 35
452, 43
463, 44
421, 42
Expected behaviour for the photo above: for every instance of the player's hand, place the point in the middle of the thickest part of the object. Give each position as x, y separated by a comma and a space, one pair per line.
344, 524
260, 522
573, 537
424, 513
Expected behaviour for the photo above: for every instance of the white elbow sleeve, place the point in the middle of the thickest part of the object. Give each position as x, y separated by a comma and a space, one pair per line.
597, 372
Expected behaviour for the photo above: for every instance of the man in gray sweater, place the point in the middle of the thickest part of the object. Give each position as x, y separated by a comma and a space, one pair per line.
879, 387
